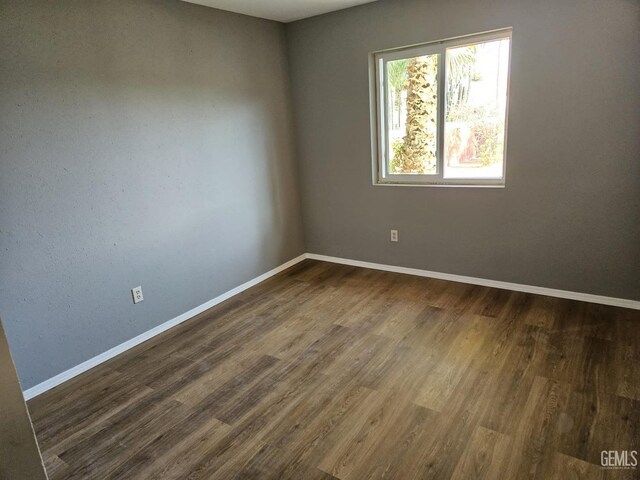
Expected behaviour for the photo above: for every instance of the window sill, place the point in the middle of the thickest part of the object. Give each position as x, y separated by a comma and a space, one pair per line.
445, 185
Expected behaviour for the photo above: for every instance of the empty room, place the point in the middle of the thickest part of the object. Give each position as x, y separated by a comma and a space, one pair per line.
320, 239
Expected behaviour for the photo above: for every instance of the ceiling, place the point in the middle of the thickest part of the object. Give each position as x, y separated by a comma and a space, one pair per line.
280, 10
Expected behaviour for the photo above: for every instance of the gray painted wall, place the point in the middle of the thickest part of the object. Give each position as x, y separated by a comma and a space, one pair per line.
141, 143
569, 217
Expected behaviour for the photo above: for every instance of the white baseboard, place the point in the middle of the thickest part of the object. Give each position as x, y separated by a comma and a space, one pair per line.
123, 347
551, 292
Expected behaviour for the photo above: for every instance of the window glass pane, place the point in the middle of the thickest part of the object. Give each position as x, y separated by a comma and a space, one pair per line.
476, 96
412, 112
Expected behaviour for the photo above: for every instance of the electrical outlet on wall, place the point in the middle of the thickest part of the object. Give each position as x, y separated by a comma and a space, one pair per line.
394, 235
137, 294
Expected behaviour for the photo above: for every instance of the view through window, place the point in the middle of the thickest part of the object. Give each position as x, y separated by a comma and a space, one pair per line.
442, 111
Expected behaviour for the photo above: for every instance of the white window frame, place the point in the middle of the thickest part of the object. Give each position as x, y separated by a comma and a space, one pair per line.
378, 103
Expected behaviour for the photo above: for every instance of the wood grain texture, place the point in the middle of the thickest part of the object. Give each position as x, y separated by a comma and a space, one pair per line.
336, 372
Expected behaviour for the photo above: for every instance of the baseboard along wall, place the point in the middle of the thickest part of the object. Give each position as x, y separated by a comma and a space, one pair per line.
123, 347
516, 287
143, 337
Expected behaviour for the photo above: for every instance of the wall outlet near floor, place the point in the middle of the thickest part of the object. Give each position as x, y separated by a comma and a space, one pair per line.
394, 235
137, 294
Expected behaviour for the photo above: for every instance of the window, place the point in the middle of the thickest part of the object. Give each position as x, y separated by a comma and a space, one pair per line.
440, 112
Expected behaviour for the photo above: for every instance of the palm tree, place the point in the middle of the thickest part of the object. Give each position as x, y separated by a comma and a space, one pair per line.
460, 61
417, 152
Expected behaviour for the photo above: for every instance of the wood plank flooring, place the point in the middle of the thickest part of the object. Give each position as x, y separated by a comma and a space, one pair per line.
328, 371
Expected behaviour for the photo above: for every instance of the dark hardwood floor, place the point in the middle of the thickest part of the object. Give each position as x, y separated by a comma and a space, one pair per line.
328, 371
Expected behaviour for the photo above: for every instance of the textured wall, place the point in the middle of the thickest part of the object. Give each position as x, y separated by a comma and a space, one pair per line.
569, 217
141, 143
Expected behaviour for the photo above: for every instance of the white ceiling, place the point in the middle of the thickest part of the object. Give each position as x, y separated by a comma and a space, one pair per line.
280, 10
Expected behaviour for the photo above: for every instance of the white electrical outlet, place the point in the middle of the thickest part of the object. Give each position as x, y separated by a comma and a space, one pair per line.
394, 235
137, 294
